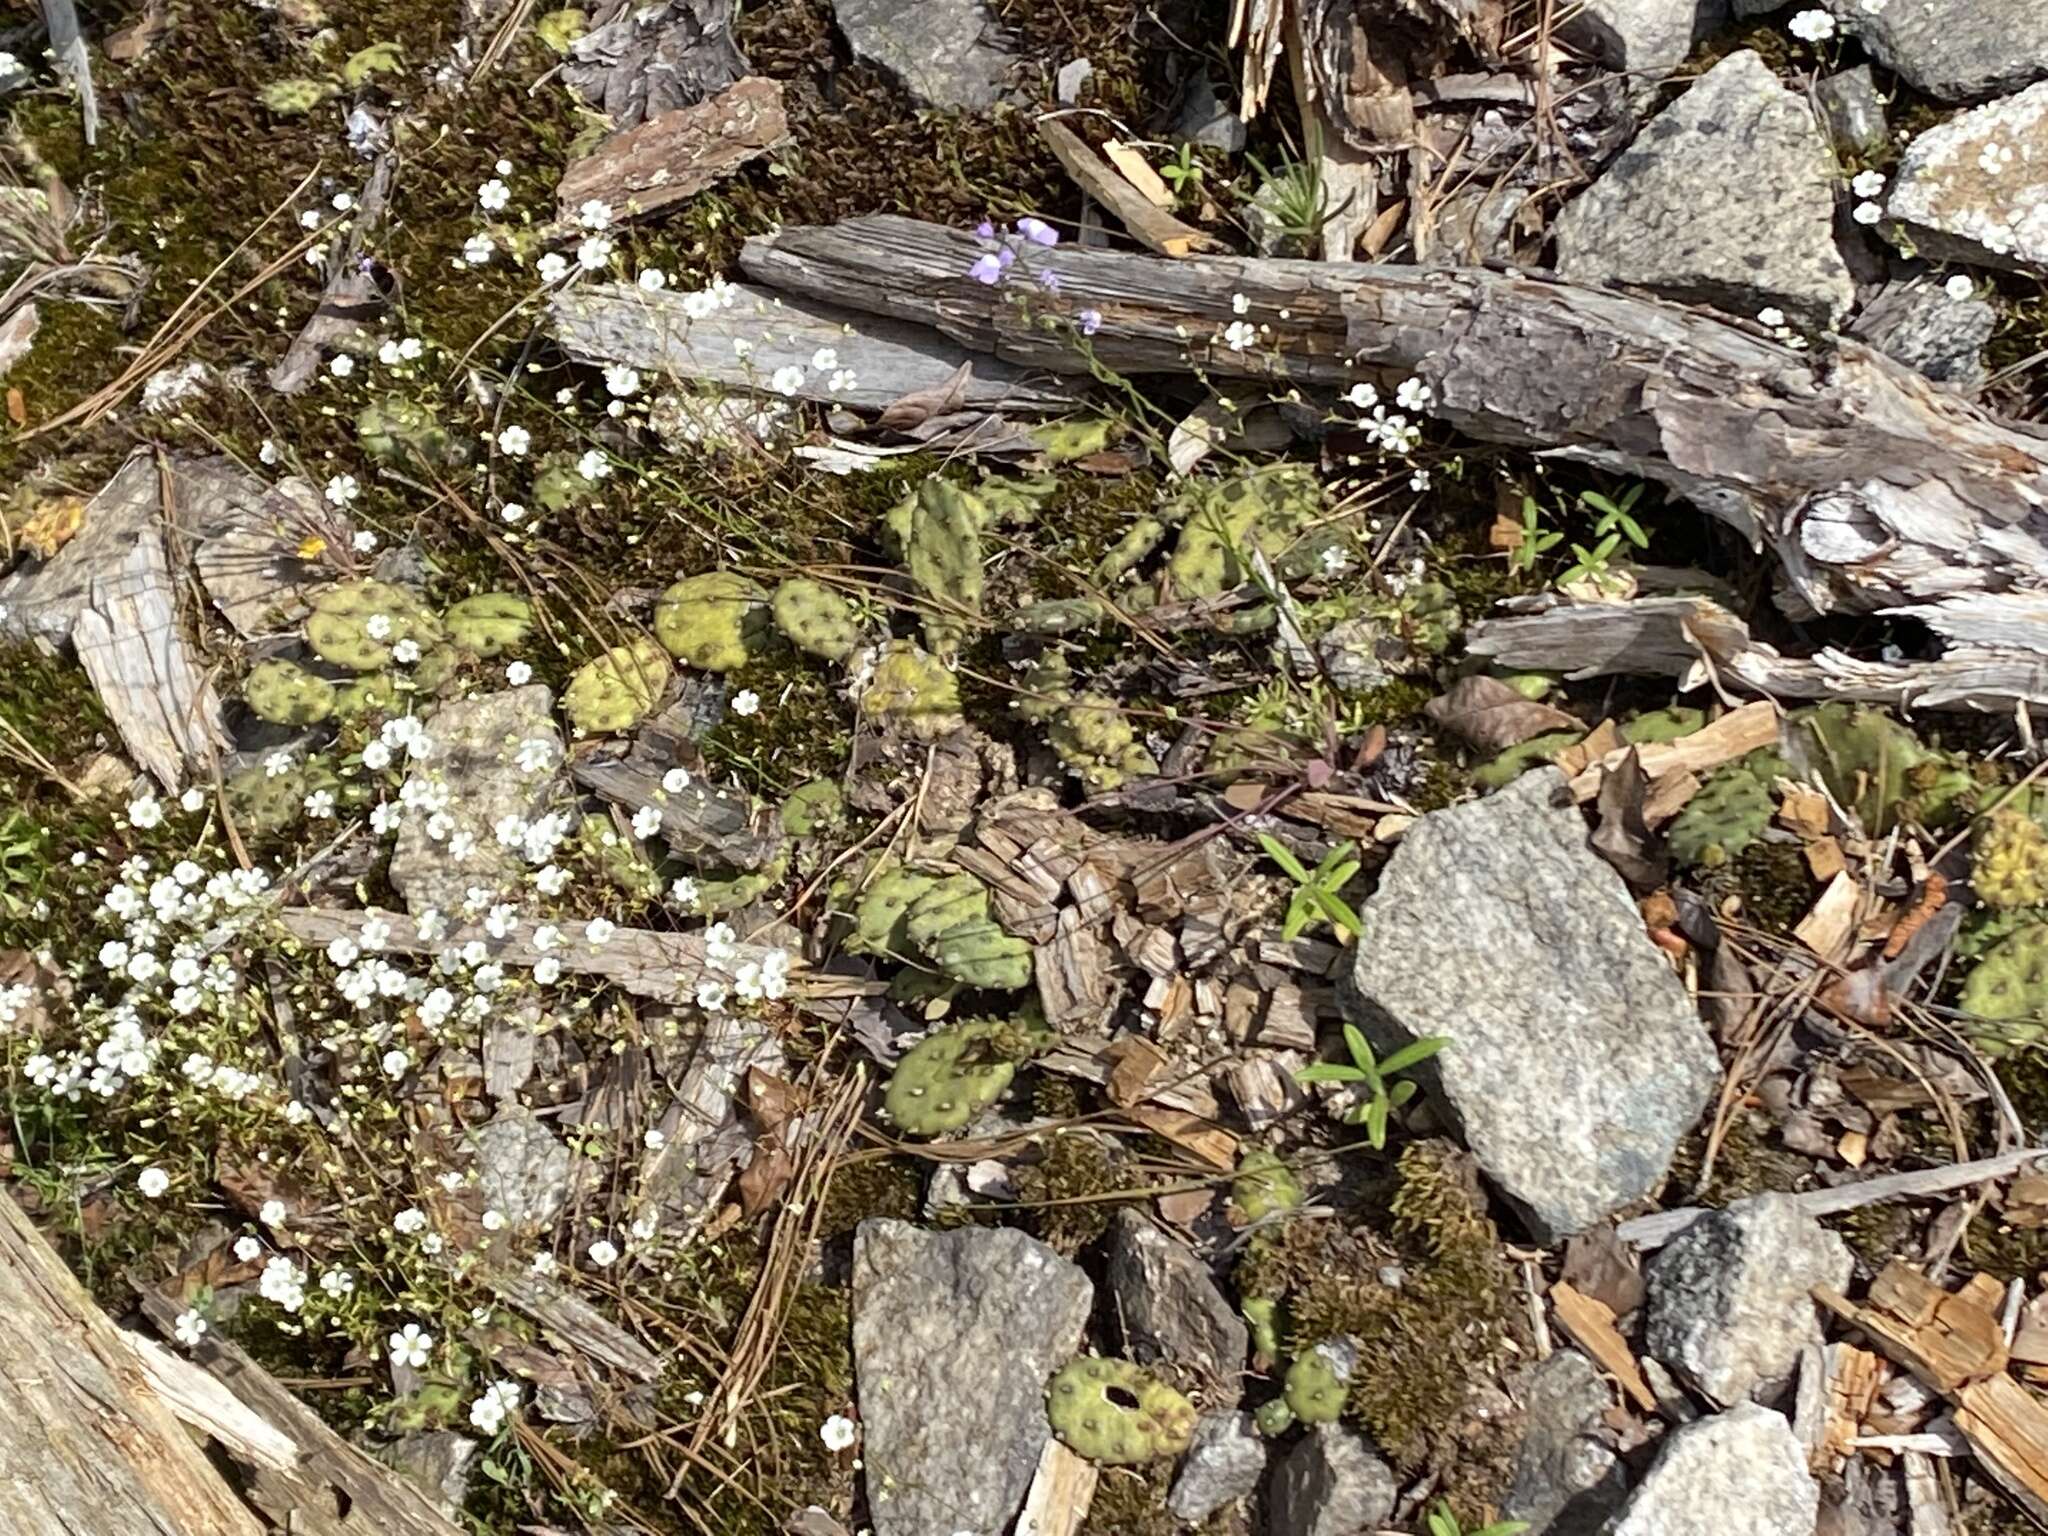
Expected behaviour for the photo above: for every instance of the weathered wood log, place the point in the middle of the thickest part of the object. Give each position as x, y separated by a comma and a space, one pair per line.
1876, 489
87, 1446
678, 154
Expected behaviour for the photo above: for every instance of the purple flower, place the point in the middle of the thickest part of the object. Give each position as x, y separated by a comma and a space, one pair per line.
1049, 281
987, 270
984, 230
1091, 321
1004, 257
1037, 231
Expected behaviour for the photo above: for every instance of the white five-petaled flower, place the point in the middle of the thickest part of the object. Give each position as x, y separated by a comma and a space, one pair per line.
838, 1432
396, 1064
272, 1213
412, 1345
144, 812
153, 1182
1414, 395
746, 702
493, 195
478, 249
622, 381
1867, 183
1812, 26
593, 465
652, 280
515, 440
1959, 287
676, 780
488, 1412
189, 1329
598, 931
552, 267
1363, 396
363, 542
594, 252
787, 380
647, 821
1239, 334
342, 365
518, 674
1867, 213
595, 214
536, 754
342, 489
1771, 316
1239, 304
604, 1253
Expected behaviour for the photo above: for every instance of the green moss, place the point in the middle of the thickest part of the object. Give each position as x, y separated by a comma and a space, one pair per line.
1772, 879
1071, 1192
1879, 1233
871, 1186
1131, 1501
1747, 1163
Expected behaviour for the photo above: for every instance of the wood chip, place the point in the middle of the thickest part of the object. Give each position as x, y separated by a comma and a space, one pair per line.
1735, 734
1207, 1140
1804, 812
1135, 1063
1152, 227
1137, 170
678, 154
1061, 1490
1591, 1326
1826, 929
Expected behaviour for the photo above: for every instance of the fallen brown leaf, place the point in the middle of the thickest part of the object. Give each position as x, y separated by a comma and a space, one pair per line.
1493, 717
920, 405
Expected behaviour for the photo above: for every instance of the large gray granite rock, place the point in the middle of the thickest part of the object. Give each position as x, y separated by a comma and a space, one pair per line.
1920, 324
476, 747
1726, 198
944, 51
1576, 1059
1731, 1297
1568, 1479
1331, 1484
954, 1336
1647, 38
1170, 1308
1739, 1473
1976, 187
1954, 50
1853, 110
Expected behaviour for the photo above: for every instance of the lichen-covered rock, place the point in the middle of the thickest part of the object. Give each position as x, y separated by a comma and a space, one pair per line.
954, 1337
1331, 1484
1726, 198
477, 743
944, 51
1739, 1473
1921, 325
1975, 188
1224, 1462
1853, 110
1647, 38
1170, 1308
1731, 1297
1954, 50
1568, 1479
1496, 926
523, 1172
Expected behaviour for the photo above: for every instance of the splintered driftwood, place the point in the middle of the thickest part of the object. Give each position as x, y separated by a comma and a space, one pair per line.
1876, 489
1956, 1344
87, 1446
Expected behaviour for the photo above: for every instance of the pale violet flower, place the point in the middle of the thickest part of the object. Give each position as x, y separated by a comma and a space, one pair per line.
1091, 321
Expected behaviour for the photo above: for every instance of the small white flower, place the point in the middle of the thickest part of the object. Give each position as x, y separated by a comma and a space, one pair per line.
512, 512
267, 453
711, 995
598, 931
653, 280
246, 1249
153, 1182
1363, 396
838, 1432
363, 542
410, 1220
647, 821
1770, 316
552, 267
378, 626
395, 1063
189, 1328
594, 252
593, 465
604, 1253
1239, 334
387, 354
310, 219
787, 380
493, 195
684, 892
494, 1221
654, 1139
746, 702
1414, 395
515, 440
1812, 26
842, 380
547, 970
622, 381
342, 366
273, 1214
319, 805
478, 249
342, 489
406, 652
1959, 287
1867, 213
144, 812
1867, 183
595, 214
412, 1345
518, 674
1419, 481
503, 167
338, 1282
536, 754
1239, 304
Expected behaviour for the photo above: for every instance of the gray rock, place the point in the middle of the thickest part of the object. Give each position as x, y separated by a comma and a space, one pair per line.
1972, 188
437, 1462
1852, 110
1739, 1473
1331, 1484
1576, 1059
1918, 324
1224, 1461
1206, 119
1354, 654
943, 51
475, 744
521, 1169
954, 1336
1727, 198
1171, 1309
1731, 1297
1954, 50
1567, 1478
1475, 222
1647, 38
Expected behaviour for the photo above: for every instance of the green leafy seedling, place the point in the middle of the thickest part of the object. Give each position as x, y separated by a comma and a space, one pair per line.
1617, 516
1383, 1094
1536, 540
1592, 564
1315, 891
1443, 1523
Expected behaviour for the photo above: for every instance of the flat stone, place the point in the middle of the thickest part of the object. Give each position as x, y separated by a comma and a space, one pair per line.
1224, 1461
941, 50
954, 1337
1568, 1479
437, 1462
1918, 324
1331, 1484
1976, 188
1205, 118
1647, 38
1726, 198
1852, 110
476, 742
521, 1169
1739, 1473
1576, 1059
1171, 1309
1731, 1297
1955, 50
